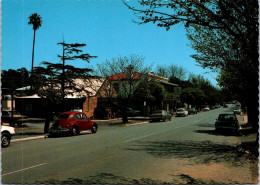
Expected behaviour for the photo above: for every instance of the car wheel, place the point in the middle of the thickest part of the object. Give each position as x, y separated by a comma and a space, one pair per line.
74, 131
94, 129
5, 139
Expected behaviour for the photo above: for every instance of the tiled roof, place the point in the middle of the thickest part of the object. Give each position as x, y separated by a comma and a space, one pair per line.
122, 76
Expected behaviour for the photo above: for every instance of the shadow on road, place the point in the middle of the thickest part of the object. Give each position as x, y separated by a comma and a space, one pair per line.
107, 178
67, 135
243, 132
198, 152
103, 178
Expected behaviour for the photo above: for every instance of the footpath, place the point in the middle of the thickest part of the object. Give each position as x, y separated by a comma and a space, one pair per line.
34, 128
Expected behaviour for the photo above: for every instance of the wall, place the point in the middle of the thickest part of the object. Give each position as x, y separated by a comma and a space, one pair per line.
89, 106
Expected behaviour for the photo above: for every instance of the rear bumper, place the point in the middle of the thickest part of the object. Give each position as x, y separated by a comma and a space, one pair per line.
59, 131
218, 127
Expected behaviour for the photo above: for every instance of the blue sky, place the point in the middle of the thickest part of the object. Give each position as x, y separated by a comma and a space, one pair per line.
104, 25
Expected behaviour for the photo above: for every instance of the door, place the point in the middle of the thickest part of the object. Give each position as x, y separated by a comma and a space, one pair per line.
84, 122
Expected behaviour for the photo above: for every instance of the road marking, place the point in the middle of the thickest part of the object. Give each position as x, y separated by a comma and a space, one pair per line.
140, 137
24, 169
28, 138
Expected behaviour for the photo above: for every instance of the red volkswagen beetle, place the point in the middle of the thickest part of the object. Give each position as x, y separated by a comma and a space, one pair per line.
73, 123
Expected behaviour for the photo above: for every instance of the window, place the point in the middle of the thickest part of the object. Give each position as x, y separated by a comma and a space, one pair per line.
83, 116
77, 116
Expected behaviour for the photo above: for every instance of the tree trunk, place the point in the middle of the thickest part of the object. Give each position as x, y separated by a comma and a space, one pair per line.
33, 52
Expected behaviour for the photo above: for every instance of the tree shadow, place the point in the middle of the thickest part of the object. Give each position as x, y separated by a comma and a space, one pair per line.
103, 178
199, 152
242, 132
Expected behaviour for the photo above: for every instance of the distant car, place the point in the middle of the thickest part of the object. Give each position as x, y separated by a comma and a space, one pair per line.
206, 109
6, 135
237, 111
225, 106
192, 111
73, 123
17, 117
181, 112
227, 121
160, 115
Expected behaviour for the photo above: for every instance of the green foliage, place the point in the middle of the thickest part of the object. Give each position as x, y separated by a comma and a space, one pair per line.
57, 80
35, 20
14, 79
192, 96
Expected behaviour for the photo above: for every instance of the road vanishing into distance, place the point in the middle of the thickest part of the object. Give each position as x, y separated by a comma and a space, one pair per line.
183, 150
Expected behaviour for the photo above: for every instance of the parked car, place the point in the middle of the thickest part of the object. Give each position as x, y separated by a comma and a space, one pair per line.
192, 111
73, 123
206, 109
237, 111
6, 135
160, 115
17, 117
181, 112
227, 121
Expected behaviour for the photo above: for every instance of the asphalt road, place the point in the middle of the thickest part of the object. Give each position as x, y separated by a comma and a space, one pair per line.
184, 150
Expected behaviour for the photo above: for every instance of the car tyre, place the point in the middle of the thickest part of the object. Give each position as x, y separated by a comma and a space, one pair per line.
94, 129
74, 131
5, 139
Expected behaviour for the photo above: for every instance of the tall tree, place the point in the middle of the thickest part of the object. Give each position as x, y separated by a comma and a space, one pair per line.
61, 79
124, 74
36, 21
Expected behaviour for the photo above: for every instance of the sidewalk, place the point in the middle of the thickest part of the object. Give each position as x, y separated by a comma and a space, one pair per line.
34, 129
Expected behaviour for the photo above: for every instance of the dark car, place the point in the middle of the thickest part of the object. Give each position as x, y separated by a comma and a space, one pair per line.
73, 123
160, 115
192, 111
17, 117
227, 121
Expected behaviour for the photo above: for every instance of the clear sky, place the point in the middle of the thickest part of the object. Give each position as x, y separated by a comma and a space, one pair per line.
104, 25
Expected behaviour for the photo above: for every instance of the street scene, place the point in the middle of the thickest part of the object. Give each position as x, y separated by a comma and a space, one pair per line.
129, 92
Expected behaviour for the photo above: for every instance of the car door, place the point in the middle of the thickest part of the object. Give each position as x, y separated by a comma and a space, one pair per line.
84, 122
77, 118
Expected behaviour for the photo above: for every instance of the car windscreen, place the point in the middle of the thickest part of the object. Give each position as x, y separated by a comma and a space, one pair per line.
180, 110
63, 116
226, 117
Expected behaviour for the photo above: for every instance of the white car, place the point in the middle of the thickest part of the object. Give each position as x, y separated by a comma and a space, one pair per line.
182, 112
6, 134
206, 109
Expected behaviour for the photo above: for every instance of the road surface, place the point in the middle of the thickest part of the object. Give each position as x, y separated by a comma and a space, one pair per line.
183, 150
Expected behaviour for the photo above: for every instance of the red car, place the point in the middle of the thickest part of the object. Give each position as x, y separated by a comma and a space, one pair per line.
73, 123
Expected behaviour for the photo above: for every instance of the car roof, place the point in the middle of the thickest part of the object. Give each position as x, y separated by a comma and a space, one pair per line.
227, 113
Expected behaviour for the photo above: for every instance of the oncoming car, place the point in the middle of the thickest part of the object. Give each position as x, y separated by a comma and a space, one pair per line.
72, 123
182, 112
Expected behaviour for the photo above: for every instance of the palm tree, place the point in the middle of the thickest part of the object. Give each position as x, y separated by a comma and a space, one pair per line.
36, 21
